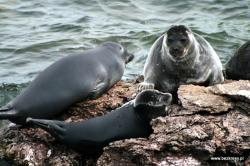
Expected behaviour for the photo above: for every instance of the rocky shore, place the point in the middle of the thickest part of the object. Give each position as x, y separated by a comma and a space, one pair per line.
209, 126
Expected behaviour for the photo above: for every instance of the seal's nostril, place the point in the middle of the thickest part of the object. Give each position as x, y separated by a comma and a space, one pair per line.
175, 50
129, 58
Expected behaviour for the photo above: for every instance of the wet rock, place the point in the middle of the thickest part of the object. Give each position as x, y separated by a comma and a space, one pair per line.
207, 128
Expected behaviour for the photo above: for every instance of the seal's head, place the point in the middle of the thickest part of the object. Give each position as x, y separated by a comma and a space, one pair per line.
152, 103
178, 41
122, 51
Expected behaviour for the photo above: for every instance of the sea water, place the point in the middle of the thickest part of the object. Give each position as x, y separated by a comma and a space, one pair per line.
36, 33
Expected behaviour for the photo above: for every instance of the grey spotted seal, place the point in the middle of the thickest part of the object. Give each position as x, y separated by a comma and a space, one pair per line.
131, 120
69, 80
178, 57
238, 67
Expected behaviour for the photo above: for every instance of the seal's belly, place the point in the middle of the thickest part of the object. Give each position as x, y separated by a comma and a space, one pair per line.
167, 85
171, 84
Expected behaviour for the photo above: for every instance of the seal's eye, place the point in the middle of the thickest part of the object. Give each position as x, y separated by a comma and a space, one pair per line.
183, 40
170, 40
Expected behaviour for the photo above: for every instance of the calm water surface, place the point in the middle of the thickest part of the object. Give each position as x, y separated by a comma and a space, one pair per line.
36, 33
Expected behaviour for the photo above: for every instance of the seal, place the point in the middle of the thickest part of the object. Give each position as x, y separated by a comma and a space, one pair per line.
238, 67
132, 120
67, 81
180, 56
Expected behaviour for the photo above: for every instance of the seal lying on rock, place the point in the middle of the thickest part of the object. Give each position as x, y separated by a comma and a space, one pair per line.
238, 67
67, 81
132, 120
178, 57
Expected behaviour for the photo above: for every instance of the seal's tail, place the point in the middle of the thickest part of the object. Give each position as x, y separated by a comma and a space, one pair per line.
6, 113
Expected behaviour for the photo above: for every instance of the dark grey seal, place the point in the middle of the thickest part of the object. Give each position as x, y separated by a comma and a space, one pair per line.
131, 120
69, 80
178, 57
238, 67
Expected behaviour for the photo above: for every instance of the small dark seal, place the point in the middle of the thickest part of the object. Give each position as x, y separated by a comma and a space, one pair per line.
132, 120
69, 80
238, 67
178, 57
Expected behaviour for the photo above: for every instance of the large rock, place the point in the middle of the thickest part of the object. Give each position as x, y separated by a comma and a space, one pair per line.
29, 146
210, 126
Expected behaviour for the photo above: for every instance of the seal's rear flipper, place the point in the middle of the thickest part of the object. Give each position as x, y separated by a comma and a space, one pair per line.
152, 103
54, 127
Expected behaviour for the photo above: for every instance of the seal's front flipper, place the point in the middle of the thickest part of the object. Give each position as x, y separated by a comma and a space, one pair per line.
152, 103
99, 89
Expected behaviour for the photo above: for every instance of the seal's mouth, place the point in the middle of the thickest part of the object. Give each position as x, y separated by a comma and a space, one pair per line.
178, 54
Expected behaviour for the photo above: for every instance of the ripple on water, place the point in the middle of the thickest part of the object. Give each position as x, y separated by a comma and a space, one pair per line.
83, 19
38, 47
9, 91
59, 27
30, 13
